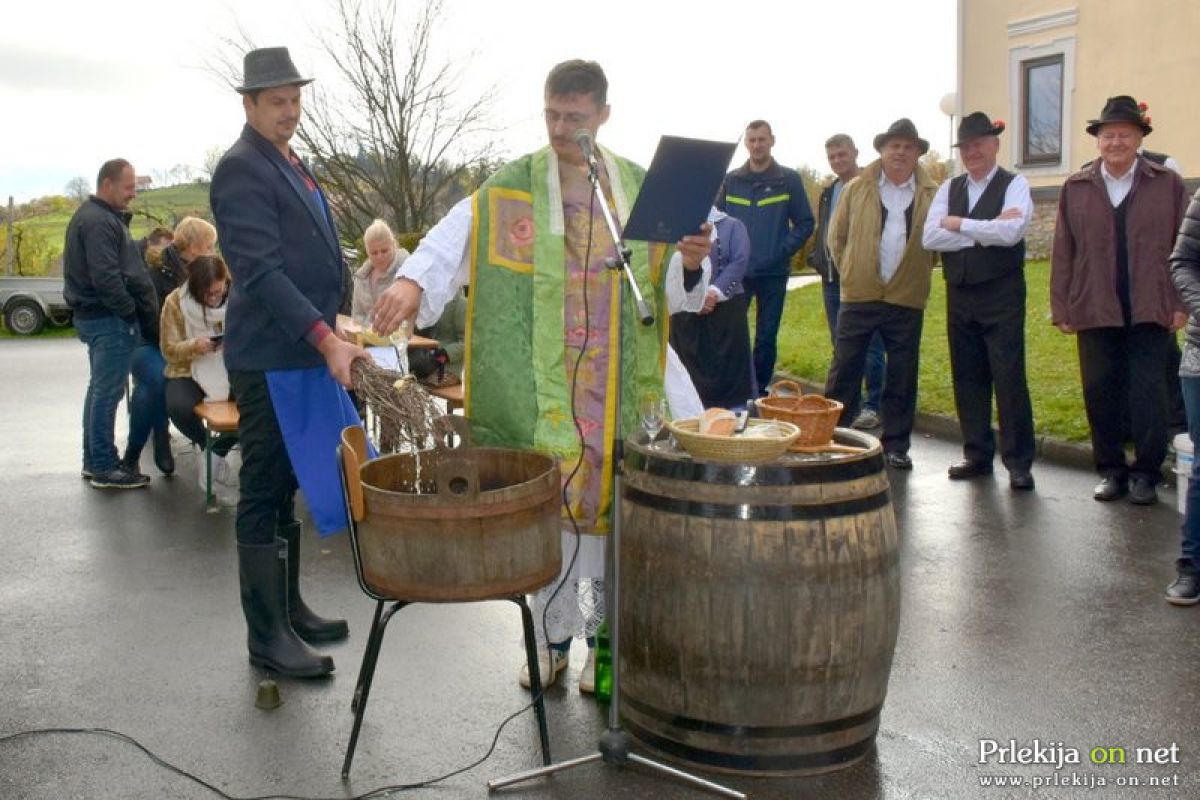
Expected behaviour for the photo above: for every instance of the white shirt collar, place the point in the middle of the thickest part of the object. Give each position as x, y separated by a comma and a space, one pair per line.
1108, 176
911, 183
986, 179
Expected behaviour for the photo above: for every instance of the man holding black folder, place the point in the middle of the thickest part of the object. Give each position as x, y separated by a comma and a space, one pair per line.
539, 367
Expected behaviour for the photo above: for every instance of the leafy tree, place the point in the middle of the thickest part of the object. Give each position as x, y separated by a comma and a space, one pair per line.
937, 167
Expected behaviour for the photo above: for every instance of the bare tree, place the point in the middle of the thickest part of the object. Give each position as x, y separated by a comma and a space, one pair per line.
78, 188
393, 144
391, 135
212, 157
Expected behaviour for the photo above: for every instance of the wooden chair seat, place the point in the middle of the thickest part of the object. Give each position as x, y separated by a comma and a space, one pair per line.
219, 419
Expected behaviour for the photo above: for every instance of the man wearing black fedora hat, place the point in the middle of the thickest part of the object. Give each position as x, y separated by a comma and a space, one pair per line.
875, 240
285, 362
1110, 286
978, 223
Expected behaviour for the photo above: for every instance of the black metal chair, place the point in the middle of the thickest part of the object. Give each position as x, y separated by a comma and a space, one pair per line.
351, 455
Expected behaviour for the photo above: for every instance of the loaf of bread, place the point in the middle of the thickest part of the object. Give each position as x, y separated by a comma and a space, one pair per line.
718, 422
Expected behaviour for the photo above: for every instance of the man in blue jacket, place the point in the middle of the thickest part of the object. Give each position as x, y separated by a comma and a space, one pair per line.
771, 201
278, 237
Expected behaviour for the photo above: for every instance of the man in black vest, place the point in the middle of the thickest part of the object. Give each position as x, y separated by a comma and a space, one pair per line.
978, 223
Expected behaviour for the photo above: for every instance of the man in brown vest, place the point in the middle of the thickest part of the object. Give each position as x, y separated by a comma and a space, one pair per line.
978, 223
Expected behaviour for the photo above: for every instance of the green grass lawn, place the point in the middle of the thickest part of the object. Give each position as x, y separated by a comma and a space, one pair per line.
1052, 363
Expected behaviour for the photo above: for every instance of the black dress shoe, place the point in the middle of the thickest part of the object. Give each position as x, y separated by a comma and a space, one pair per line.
1142, 493
1021, 480
1185, 591
967, 469
1110, 489
898, 460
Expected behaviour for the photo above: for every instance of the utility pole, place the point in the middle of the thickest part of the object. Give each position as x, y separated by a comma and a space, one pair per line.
8, 237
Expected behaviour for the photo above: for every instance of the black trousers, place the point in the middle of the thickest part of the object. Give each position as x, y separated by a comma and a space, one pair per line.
715, 349
900, 329
182, 396
1124, 383
266, 483
985, 325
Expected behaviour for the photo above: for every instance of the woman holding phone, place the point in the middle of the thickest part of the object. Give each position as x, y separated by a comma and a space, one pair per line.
192, 327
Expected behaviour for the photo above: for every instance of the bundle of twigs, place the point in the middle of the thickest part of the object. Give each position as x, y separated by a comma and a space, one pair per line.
406, 417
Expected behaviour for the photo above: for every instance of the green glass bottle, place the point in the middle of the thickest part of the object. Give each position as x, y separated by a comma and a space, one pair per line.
604, 675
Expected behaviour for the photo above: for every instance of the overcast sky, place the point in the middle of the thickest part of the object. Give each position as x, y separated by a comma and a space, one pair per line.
81, 82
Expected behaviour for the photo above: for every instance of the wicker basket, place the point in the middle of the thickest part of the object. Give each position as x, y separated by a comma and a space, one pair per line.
814, 415
733, 449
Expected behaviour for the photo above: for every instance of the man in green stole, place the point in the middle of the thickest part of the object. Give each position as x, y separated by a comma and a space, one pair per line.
539, 369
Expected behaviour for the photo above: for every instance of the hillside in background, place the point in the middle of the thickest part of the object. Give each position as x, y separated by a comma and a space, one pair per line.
40, 225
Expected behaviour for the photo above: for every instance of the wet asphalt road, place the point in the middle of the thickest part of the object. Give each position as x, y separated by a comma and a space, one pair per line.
1024, 617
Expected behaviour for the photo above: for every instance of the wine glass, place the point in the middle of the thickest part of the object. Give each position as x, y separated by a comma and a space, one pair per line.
653, 413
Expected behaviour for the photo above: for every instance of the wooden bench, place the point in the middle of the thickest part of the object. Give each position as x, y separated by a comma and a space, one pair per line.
218, 419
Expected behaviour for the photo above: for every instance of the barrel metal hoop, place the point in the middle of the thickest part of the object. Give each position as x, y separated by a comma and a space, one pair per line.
754, 475
753, 731
752, 763
751, 511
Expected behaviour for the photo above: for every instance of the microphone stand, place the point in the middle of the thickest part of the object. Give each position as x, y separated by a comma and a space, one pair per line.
613, 747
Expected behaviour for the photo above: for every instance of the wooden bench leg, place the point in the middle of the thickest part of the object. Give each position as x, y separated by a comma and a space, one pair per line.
210, 502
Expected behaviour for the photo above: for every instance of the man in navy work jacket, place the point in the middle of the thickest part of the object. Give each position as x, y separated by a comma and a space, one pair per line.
770, 200
278, 237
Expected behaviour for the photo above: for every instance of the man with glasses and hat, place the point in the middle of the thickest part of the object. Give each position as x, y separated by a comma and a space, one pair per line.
978, 223
875, 240
1110, 286
286, 365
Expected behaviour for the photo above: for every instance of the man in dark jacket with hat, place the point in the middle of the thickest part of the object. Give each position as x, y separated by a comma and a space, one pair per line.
112, 299
875, 240
285, 361
978, 223
1110, 286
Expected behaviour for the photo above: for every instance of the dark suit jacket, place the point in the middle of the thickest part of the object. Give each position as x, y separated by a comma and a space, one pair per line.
282, 249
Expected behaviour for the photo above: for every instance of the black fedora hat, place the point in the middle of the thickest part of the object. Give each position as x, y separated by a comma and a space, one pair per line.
268, 67
977, 124
1121, 108
902, 128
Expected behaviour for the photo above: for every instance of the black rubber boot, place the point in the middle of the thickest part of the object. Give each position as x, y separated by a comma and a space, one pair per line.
163, 458
308, 625
273, 644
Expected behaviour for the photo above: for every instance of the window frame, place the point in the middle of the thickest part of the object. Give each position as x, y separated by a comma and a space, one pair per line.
1027, 66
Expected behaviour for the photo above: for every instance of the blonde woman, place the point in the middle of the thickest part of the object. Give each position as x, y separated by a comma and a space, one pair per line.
168, 267
378, 272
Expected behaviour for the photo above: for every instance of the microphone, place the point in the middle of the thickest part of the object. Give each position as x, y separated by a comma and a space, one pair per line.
583, 138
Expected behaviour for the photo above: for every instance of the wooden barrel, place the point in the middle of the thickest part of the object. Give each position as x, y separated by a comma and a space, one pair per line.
759, 607
485, 524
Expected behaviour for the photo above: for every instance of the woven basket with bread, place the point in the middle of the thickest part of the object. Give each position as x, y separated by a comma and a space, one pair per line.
814, 415
713, 437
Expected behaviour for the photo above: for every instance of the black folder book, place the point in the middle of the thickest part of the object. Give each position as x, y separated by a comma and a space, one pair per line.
679, 189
